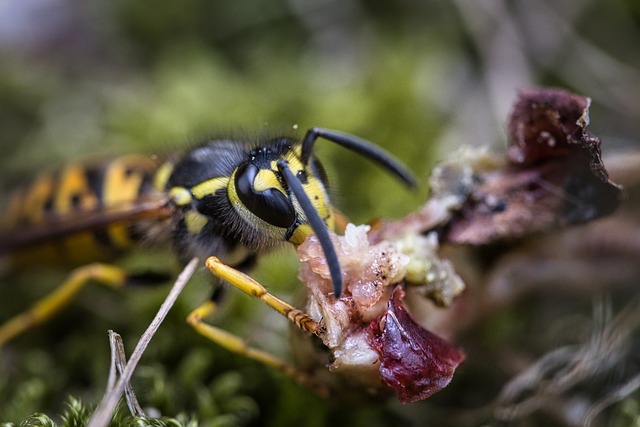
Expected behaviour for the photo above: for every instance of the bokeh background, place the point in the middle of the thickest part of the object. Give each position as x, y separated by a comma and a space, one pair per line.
420, 78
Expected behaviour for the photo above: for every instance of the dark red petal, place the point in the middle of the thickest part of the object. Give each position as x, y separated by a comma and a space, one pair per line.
413, 361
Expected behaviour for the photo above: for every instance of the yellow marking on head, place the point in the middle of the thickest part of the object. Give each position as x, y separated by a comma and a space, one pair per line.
297, 150
180, 196
162, 176
266, 179
209, 187
294, 162
293, 158
195, 221
314, 188
301, 233
317, 193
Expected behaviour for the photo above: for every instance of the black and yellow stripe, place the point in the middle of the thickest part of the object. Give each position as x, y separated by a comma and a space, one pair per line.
75, 192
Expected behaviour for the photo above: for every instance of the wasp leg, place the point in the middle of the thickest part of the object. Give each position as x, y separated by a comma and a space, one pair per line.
48, 306
236, 344
252, 288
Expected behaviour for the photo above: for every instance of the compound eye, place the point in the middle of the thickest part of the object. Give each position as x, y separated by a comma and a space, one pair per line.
269, 205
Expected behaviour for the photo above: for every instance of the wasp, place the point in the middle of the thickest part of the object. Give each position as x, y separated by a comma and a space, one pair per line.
227, 201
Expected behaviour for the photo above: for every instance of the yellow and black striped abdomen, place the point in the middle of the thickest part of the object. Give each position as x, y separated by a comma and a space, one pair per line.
55, 212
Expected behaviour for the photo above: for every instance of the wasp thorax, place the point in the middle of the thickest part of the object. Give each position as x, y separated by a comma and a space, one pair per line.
260, 191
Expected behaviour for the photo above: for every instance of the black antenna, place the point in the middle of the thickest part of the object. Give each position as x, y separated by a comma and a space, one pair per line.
317, 224
360, 146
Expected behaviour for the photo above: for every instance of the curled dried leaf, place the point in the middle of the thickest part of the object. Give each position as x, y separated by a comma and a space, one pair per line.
553, 175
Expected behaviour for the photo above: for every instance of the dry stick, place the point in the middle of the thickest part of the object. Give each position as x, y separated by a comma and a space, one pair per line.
103, 414
113, 370
117, 350
614, 397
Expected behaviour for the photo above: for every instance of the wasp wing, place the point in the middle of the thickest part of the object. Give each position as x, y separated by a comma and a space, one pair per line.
150, 207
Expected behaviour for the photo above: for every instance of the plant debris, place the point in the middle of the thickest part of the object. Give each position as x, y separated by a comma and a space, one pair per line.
552, 176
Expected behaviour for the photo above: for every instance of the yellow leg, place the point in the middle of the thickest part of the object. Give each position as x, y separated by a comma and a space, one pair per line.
51, 304
238, 346
252, 288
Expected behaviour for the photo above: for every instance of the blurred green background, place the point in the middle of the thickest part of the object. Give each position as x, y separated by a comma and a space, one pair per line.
420, 78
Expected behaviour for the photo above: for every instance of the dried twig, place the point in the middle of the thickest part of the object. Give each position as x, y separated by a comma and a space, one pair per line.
103, 414
614, 397
546, 381
118, 362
